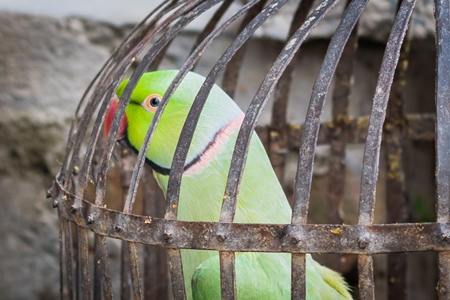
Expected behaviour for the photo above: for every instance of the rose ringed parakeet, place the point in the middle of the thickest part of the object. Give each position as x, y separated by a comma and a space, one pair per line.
260, 200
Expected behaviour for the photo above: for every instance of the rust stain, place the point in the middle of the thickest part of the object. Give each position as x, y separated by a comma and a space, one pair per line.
295, 126
362, 122
336, 230
274, 134
394, 172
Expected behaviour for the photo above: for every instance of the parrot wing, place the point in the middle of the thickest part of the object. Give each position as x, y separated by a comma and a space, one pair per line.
267, 276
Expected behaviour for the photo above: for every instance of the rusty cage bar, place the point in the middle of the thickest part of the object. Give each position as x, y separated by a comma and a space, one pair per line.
82, 209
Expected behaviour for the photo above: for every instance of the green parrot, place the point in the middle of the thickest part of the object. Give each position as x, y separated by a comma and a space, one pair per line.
261, 198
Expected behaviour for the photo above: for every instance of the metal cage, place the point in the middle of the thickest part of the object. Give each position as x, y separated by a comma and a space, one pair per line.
86, 274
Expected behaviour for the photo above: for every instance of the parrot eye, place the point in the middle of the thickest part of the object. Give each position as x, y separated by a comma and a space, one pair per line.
151, 102
154, 102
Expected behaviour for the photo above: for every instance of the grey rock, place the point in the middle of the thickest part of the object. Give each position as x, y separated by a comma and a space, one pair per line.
375, 23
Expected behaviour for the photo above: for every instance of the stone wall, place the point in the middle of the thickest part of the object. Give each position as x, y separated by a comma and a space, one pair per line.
45, 65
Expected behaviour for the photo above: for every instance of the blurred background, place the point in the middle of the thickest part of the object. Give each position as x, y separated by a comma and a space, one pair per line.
51, 50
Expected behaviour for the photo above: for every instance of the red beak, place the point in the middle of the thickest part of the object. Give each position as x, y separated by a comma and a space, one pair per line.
110, 117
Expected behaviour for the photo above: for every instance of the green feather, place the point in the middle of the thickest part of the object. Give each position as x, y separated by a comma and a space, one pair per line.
261, 198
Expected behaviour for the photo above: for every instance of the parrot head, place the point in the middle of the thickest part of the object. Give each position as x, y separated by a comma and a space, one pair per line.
219, 117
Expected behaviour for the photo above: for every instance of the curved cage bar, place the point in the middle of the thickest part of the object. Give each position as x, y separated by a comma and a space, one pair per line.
150, 233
